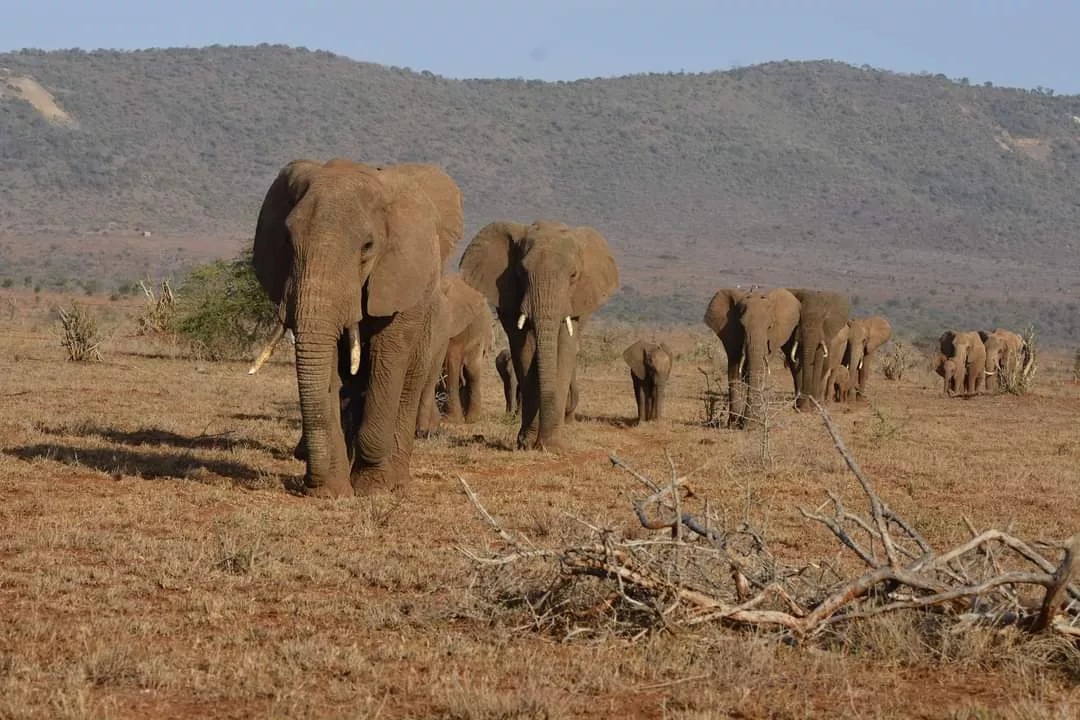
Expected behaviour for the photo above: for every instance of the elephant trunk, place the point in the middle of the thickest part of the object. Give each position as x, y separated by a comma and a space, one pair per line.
755, 354
320, 323
553, 388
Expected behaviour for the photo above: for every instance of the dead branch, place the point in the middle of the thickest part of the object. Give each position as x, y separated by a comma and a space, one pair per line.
716, 574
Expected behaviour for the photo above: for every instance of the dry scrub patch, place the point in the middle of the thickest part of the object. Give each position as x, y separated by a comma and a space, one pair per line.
154, 565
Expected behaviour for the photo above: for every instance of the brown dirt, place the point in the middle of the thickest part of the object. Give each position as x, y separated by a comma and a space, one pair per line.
154, 566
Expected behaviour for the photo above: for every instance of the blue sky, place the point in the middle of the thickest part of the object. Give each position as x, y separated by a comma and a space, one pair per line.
1009, 42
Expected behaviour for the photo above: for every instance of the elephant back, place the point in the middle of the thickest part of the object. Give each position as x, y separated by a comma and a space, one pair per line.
444, 194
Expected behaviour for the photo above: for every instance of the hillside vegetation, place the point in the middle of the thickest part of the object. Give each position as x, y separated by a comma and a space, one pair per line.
935, 201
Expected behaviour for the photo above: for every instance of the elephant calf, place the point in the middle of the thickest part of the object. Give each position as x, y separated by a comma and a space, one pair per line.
840, 385
504, 364
650, 366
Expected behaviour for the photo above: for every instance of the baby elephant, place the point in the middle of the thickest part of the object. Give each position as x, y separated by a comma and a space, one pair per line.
840, 384
511, 389
947, 368
650, 365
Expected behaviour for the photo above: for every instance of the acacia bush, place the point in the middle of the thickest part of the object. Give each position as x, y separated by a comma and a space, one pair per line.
222, 310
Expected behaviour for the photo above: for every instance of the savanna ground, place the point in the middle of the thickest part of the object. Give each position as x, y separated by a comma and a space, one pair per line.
153, 564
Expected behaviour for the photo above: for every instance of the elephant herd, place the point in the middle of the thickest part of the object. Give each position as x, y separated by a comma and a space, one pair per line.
352, 255
971, 362
825, 350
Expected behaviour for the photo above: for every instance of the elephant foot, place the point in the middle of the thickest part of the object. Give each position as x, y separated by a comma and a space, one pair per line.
554, 443
300, 452
377, 479
328, 491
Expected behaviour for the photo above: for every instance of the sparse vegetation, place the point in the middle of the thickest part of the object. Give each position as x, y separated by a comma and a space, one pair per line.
894, 363
766, 139
223, 310
159, 315
1019, 380
80, 335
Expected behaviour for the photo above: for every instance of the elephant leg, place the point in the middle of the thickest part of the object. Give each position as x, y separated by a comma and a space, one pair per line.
639, 397
428, 417
388, 414
453, 367
649, 388
473, 398
508, 395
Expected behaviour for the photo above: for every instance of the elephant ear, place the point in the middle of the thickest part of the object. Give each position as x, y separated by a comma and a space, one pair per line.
465, 304
409, 263
635, 358
984, 335
599, 273
947, 343
444, 194
718, 314
272, 251
487, 265
785, 311
878, 332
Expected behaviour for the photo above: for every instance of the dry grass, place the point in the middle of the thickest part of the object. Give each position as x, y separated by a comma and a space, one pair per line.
154, 565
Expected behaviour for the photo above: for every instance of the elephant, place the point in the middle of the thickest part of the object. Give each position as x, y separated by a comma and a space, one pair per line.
822, 315
751, 326
865, 335
428, 417
837, 349
966, 349
470, 342
545, 279
511, 390
840, 386
1005, 352
650, 366
946, 368
351, 255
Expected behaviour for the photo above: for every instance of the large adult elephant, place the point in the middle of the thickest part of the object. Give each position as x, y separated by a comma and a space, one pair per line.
470, 342
865, 335
352, 254
545, 280
1005, 352
822, 315
967, 351
751, 326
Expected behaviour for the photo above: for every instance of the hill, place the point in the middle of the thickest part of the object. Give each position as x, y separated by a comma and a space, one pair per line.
935, 201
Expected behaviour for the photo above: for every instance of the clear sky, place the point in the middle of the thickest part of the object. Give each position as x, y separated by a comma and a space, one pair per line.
1009, 42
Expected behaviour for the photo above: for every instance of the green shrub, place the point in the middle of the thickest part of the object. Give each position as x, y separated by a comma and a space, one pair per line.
222, 309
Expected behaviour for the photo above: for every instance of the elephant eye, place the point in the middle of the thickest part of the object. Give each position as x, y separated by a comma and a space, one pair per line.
366, 247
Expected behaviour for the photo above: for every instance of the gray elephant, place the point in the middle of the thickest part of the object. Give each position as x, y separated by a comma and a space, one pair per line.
504, 365
1006, 352
470, 342
545, 280
865, 335
967, 351
840, 385
751, 326
821, 316
351, 254
650, 366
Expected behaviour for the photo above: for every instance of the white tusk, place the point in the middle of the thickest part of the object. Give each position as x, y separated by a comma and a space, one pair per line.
768, 372
521, 321
794, 349
742, 361
275, 338
569, 326
824, 348
859, 366
354, 349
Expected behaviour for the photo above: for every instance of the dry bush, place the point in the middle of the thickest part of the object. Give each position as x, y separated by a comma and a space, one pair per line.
991, 591
157, 317
81, 336
1076, 367
1020, 380
894, 364
712, 401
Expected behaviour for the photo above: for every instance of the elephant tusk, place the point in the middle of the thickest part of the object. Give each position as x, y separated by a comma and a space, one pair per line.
268, 350
768, 372
824, 348
859, 366
354, 348
987, 372
521, 321
569, 326
794, 349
